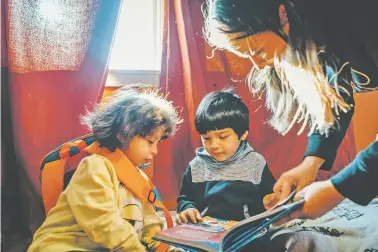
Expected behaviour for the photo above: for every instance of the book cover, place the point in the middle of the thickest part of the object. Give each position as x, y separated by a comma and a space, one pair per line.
205, 235
222, 235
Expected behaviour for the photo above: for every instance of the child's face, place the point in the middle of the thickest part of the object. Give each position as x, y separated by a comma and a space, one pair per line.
222, 144
142, 150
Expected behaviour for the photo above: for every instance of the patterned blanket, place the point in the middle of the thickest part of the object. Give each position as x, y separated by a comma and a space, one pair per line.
348, 227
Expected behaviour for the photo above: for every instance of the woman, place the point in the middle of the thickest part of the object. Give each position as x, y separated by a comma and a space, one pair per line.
308, 60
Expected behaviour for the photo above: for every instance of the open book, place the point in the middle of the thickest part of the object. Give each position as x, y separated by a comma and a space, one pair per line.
221, 235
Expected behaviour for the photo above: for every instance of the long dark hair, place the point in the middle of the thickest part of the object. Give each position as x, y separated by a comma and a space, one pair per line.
315, 104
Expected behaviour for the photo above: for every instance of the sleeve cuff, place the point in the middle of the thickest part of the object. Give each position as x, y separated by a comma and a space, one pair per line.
346, 184
185, 205
358, 181
322, 147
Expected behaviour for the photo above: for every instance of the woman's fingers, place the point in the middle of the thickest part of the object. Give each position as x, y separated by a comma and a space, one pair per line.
293, 215
270, 200
286, 189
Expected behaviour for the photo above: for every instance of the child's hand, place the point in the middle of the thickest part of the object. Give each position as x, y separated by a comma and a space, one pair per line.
191, 213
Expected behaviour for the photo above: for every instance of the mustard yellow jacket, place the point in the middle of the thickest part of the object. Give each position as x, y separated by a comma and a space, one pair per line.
95, 213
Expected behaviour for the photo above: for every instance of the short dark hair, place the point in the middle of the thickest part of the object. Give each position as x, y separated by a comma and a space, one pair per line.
136, 110
220, 110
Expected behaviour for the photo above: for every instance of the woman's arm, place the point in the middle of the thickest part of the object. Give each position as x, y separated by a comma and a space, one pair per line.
320, 154
362, 173
325, 147
358, 182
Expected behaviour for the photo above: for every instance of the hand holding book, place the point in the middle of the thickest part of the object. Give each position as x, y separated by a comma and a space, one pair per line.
190, 214
319, 198
296, 178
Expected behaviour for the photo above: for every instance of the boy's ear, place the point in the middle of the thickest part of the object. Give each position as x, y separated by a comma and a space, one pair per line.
244, 136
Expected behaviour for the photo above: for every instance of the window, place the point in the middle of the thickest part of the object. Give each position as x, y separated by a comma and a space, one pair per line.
136, 53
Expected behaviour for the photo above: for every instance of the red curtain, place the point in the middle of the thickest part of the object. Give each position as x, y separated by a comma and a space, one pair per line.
190, 69
57, 57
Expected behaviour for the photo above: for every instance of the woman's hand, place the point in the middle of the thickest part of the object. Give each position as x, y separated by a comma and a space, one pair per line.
270, 201
296, 178
320, 198
191, 214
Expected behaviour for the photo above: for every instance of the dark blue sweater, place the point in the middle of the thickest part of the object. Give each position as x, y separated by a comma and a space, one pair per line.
359, 180
225, 199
